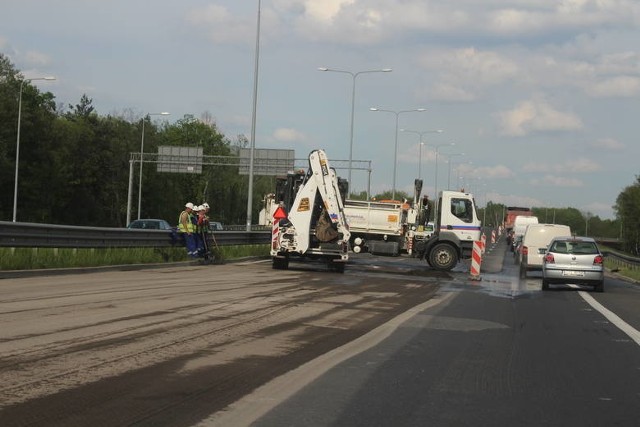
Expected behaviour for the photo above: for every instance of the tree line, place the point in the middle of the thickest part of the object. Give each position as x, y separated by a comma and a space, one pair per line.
74, 163
74, 169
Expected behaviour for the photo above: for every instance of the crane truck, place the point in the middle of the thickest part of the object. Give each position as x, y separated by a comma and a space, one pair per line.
309, 220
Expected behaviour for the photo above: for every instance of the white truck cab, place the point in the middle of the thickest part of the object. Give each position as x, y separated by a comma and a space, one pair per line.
457, 226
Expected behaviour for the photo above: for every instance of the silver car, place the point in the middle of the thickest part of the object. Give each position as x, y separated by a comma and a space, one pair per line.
573, 260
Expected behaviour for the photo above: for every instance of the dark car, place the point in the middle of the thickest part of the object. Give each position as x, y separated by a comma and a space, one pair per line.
573, 260
150, 224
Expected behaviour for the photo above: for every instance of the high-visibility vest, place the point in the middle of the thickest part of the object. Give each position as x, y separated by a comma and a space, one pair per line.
190, 227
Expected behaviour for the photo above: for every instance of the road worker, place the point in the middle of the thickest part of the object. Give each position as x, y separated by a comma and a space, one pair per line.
187, 229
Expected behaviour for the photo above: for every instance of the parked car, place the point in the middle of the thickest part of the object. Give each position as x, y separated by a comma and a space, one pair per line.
216, 226
150, 224
573, 260
535, 243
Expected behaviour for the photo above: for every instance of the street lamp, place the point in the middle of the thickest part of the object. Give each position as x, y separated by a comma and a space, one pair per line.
449, 156
353, 101
254, 110
436, 180
15, 182
421, 133
395, 153
164, 113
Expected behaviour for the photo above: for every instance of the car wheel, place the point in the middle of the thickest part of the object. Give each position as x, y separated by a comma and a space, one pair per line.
599, 287
545, 285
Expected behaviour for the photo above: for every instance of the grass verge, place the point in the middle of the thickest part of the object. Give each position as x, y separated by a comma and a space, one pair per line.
39, 258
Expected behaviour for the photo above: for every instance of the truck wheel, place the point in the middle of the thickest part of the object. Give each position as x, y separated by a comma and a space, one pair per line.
443, 257
280, 263
338, 267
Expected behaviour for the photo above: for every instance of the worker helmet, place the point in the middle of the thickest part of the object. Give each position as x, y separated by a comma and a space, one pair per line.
205, 205
189, 205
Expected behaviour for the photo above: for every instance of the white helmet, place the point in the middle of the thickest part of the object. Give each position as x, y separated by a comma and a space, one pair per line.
201, 208
189, 205
205, 205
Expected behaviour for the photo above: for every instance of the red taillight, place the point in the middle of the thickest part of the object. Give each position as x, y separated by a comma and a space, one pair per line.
549, 259
525, 250
598, 260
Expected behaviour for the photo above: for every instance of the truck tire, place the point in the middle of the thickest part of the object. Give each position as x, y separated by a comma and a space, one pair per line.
280, 263
443, 257
338, 267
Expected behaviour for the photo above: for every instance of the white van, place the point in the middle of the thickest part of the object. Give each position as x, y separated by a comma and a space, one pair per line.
520, 226
535, 243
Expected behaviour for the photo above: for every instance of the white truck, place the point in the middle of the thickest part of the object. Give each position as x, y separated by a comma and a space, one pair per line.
387, 227
309, 220
456, 228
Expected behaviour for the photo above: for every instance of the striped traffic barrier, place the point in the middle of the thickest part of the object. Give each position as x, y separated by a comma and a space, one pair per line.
483, 243
476, 260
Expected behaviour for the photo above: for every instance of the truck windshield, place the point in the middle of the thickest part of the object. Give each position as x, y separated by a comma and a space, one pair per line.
462, 208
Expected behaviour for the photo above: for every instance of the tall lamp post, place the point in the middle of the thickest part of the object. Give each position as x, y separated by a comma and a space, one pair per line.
449, 156
353, 101
395, 152
15, 184
144, 119
436, 180
421, 133
254, 110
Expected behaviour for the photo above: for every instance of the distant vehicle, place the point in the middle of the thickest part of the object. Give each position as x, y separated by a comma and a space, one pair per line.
573, 260
510, 217
517, 249
150, 224
216, 226
520, 226
535, 244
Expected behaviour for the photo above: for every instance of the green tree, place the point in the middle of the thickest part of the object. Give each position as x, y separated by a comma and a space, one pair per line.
627, 209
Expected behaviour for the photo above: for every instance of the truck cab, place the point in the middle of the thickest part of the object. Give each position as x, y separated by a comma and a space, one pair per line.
457, 226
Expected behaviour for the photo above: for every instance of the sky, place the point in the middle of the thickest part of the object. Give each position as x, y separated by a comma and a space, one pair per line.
538, 100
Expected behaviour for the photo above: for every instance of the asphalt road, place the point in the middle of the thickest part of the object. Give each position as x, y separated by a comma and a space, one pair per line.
499, 352
170, 347
389, 342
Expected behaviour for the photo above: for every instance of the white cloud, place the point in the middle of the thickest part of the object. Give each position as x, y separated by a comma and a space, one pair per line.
619, 86
36, 58
494, 172
556, 181
537, 116
288, 135
577, 166
608, 144
325, 10
465, 73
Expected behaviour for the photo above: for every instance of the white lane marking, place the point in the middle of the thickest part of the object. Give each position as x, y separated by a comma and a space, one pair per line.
251, 407
633, 333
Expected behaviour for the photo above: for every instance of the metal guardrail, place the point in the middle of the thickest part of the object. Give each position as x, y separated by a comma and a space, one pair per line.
31, 235
623, 260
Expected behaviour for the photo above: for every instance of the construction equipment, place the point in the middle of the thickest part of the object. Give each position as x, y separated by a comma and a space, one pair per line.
388, 227
309, 220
